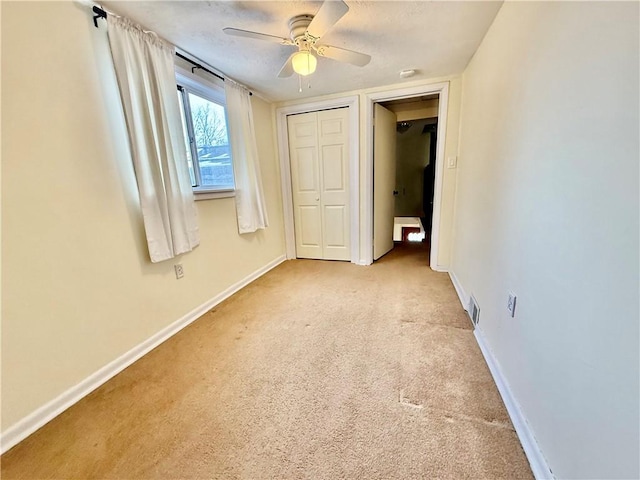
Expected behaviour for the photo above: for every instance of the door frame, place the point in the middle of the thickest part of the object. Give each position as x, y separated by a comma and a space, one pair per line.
282, 133
442, 89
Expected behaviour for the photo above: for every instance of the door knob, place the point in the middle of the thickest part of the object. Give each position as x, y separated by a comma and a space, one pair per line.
395, 192
317, 199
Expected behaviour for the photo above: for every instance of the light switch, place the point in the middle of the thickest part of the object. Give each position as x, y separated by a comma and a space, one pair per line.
452, 162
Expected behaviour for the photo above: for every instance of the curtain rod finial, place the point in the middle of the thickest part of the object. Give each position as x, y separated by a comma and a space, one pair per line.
99, 13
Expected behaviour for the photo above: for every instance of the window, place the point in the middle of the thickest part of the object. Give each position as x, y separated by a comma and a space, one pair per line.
204, 123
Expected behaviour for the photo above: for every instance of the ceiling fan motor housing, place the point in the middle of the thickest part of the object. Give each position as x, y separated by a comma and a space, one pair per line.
298, 27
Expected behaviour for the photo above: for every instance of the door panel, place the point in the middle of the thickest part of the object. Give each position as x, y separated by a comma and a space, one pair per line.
335, 215
333, 142
318, 149
306, 130
331, 126
305, 184
310, 234
333, 168
384, 179
307, 179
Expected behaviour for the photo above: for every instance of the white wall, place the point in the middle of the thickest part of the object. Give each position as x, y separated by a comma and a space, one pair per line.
78, 289
547, 207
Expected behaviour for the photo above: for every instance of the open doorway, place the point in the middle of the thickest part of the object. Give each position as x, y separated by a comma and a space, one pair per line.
411, 162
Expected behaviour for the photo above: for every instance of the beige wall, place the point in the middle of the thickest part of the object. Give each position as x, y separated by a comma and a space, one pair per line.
547, 207
78, 289
450, 147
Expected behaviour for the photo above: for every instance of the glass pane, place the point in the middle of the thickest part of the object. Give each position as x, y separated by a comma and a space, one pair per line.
212, 142
186, 140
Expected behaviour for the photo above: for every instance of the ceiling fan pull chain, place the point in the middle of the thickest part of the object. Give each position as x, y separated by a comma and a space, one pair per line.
300, 83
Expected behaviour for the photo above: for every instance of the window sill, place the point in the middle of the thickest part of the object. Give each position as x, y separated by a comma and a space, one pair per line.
205, 195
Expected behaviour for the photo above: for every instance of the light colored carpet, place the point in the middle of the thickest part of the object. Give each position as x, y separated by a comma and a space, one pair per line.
320, 370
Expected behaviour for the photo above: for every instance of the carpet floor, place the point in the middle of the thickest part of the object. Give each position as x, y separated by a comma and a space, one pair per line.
319, 370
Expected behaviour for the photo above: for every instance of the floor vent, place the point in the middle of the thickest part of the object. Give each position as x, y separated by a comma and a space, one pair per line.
473, 310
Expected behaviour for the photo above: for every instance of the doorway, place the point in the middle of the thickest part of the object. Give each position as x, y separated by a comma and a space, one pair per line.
406, 96
405, 139
416, 140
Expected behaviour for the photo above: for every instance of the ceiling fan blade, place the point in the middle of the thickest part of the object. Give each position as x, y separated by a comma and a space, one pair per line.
330, 12
287, 68
258, 36
343, 55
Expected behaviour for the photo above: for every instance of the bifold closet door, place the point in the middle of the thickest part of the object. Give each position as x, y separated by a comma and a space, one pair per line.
319, 154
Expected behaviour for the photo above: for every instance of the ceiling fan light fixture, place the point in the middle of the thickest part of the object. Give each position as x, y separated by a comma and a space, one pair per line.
304, 63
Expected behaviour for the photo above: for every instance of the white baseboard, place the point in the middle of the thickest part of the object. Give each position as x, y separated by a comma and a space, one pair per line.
539, 466
462, 295
38, 418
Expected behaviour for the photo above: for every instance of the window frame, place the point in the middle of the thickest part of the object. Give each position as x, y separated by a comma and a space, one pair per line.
186, 83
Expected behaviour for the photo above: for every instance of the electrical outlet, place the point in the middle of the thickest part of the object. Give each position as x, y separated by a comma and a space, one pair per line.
511, 304
179, 270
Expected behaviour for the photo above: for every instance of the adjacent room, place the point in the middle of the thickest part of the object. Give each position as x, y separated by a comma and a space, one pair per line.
320, 239
416, 147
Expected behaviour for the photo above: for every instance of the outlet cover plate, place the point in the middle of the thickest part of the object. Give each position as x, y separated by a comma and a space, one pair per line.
179, 270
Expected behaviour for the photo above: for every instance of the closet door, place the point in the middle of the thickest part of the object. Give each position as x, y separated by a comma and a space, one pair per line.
333, 149
305, 184
318, 149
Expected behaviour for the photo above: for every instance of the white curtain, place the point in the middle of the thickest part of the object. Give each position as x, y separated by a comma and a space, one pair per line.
250, 205
144, 66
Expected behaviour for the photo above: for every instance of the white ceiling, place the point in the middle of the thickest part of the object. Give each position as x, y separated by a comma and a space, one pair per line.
434, 38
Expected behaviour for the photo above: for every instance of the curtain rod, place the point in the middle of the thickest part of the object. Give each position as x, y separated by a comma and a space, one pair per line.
100, 13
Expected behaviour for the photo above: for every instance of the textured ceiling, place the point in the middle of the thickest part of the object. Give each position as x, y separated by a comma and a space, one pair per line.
434, 38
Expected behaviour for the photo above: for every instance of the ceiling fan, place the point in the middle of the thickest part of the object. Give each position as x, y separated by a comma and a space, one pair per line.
305, 34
